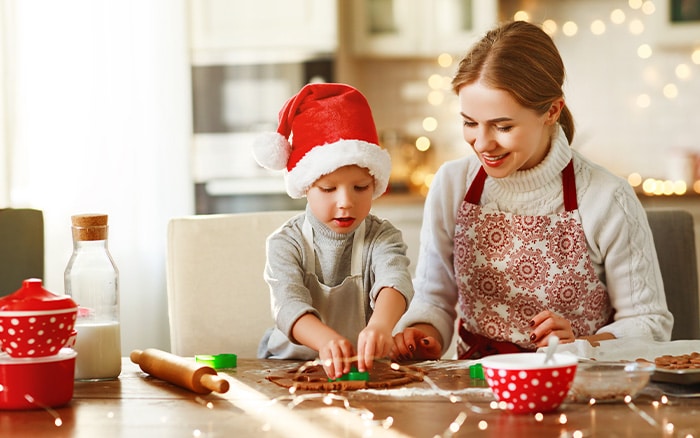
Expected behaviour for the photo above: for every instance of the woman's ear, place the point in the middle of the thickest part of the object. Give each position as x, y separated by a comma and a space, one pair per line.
554, 111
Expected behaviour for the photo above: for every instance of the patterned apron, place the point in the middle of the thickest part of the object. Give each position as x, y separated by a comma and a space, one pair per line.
342, 307
511, 267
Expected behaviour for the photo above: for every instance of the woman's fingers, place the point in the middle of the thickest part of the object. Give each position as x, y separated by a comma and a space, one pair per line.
547, 323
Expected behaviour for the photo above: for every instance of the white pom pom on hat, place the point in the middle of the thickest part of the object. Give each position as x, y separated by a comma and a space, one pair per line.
322, 128
271, 150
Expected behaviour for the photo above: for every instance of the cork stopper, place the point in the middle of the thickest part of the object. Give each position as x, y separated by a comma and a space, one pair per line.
89, 226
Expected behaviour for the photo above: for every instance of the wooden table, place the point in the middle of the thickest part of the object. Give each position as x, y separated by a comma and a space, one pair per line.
138, 405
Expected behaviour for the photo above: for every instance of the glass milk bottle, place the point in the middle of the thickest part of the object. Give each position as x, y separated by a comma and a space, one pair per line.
92, 280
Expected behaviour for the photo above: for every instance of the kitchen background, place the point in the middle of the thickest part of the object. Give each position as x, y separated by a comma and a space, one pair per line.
144, 109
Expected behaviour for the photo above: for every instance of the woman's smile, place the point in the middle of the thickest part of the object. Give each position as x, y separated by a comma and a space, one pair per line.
494, 161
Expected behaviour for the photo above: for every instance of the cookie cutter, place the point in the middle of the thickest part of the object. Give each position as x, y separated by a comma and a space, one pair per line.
352, 375
476, 371
218, 361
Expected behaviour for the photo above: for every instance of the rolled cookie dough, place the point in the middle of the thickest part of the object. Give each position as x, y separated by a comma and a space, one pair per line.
313, 378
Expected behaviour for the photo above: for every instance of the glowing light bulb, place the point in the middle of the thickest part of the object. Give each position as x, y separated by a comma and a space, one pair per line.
569, 28
617, 16
549, 27
435, 81
644, 51
643, 101
680, 188
636, 27
597, 27
430, 124
422, 143
695, 57
682, 71
634, 179
444, 60
521, 16
648, 7
435, 97
670, 91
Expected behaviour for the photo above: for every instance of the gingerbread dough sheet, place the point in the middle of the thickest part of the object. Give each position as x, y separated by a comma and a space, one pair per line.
313, 378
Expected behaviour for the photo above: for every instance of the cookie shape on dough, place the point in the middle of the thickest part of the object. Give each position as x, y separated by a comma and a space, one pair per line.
313, 378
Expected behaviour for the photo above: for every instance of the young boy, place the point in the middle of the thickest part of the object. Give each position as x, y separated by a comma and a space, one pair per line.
338, 275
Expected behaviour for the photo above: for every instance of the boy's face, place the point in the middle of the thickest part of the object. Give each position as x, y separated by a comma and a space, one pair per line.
342, 199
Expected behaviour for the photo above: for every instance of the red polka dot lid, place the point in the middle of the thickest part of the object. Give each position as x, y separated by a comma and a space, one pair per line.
33, 296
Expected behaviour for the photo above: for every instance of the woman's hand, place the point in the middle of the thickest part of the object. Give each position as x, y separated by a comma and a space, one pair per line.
547, 323
416, 343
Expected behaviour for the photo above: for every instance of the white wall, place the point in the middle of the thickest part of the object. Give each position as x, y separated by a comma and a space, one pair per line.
606, 77
102, 123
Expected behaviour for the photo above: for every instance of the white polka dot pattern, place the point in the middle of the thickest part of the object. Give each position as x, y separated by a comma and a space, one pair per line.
37, 335
535, 390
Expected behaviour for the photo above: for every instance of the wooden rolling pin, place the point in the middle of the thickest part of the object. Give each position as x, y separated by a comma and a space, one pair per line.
191, 375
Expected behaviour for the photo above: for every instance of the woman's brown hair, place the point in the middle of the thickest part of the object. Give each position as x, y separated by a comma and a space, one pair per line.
521, 59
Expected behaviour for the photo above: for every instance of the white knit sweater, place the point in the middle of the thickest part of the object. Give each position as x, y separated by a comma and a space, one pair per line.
618, 239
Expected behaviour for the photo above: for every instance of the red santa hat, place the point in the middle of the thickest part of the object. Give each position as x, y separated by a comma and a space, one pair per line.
322, 128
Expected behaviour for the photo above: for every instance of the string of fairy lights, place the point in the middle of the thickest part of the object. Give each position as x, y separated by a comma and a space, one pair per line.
476, 413
635, 18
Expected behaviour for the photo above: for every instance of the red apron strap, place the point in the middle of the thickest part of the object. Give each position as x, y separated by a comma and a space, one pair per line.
568, 177
569, 182
473, 195
481, 346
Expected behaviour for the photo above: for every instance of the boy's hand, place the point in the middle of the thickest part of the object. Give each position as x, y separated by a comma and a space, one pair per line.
334, 350
336, 355
374, 342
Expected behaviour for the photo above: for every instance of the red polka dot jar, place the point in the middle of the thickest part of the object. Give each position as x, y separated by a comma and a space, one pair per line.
35, 322
37, 383
526, 384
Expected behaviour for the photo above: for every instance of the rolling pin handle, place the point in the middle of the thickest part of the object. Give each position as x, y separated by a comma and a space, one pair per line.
214, 382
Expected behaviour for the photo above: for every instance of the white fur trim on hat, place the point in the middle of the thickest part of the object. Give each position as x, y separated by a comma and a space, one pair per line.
271, 150
323, 160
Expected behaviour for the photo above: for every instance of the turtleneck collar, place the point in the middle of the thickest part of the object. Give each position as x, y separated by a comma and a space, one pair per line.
321, 230
546, 173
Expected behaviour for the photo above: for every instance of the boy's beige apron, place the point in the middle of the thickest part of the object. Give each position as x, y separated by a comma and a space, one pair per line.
341, 307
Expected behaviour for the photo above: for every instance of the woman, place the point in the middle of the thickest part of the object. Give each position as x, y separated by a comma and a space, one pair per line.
526, 238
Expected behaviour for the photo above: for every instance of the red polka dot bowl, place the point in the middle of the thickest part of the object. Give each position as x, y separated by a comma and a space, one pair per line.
35, 322
525, 384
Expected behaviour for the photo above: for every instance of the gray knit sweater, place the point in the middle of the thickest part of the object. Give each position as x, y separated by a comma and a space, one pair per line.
384, 260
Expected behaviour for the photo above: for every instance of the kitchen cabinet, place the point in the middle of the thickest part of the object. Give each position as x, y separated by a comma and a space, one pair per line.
419, 28
235, 30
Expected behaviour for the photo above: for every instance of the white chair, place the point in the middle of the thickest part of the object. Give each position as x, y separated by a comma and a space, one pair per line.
218, 301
